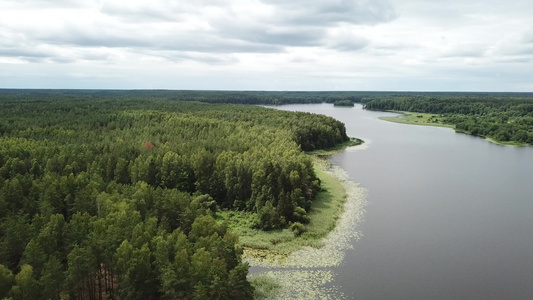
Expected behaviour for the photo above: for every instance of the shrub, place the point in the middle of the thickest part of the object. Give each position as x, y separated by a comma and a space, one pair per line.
298, 228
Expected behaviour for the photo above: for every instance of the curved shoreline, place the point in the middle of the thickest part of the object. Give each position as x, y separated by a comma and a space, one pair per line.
335, 243
403, 118
307, 273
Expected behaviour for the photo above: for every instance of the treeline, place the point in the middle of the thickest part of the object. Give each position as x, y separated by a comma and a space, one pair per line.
502, 117
270, 98
112, 195
343, 103
229, 97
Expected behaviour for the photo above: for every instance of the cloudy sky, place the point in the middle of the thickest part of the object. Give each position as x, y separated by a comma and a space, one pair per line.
404, 45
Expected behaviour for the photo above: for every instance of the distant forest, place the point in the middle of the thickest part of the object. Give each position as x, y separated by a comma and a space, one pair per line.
115, 194
502, 117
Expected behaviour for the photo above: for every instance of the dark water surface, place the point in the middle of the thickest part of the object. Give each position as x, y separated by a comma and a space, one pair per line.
450, 216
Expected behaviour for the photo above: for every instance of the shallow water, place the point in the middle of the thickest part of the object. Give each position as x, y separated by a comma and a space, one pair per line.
308, 273
449, 216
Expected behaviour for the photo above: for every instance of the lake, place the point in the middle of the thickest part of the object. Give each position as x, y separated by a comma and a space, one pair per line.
449, 216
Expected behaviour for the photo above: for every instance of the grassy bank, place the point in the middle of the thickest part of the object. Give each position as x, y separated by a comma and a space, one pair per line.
515, 144
426, 119
334, 226
276, 244
334, 216
417, 119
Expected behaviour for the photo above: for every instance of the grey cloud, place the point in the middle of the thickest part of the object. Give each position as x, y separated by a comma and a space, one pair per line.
528, 36
88, 40
140, 15
324, 12
63, 59
465, 51
161, 10
32, 54
307, 37
516, 51
160, 26
394, 46
360, 12
91, 44
143, 13
305, 23
22, 52
50, 3
175, 56
266, 34
151, 39
300, 59
96, 56
518, 60
213, 44
110, 34
292, 23
347, 41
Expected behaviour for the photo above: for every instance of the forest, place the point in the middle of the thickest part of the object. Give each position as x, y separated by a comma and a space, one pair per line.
114, 194
343, 103
499, 116
503, 117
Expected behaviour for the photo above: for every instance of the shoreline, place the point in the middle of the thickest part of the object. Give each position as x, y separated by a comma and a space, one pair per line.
306, 273
330, 253
327, 207
406, 118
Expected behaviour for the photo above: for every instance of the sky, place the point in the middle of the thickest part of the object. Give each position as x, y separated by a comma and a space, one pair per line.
355, 45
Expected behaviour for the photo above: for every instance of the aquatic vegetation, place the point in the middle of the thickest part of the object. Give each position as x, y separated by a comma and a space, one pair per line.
296, 284
297, 274
334, 244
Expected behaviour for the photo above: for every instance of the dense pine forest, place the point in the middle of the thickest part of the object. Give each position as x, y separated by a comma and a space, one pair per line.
113, 195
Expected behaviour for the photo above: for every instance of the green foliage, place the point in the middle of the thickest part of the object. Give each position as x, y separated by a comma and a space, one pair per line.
239, 288
264, 287
501, 117
268, 217
52, 278
327, 207
7, 280
298, 228
114, 194
26, 285
343, 103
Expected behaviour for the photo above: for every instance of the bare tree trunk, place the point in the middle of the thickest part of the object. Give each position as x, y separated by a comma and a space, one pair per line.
106, 282
92, 289
111, 280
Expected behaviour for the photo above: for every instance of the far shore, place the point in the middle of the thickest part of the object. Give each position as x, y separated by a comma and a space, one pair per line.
426, 119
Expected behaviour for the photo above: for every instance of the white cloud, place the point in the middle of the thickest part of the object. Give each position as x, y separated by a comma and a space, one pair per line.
251, 44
